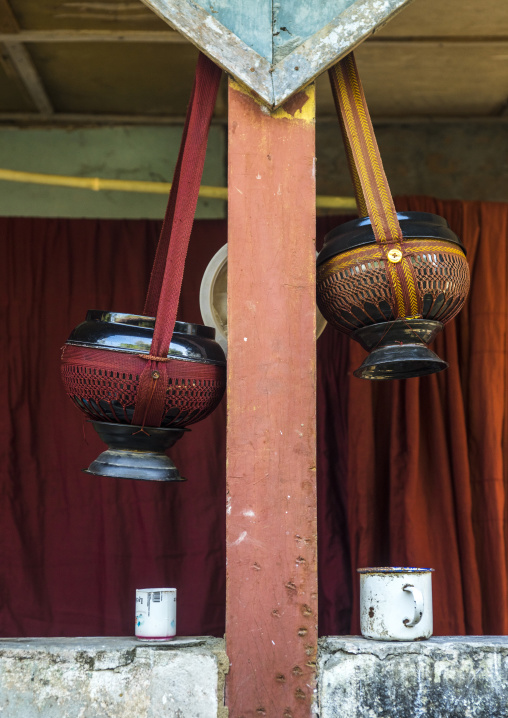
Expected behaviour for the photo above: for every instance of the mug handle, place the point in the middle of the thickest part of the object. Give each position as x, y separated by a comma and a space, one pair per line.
418, 599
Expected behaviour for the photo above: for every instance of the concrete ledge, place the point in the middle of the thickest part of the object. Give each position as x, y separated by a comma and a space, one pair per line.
444, 677
111, 678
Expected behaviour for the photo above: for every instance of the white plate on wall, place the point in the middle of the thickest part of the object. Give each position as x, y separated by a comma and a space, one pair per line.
213, 298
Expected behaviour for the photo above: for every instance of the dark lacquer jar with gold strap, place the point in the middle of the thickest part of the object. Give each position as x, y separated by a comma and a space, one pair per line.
354, 292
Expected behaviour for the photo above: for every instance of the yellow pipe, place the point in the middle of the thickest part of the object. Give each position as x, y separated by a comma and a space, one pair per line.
328, 202
98, 184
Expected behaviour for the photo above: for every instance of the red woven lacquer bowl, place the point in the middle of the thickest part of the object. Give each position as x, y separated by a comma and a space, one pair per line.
102, 362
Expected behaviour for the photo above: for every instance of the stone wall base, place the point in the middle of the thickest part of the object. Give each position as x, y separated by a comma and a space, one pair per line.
112, 678
444, 677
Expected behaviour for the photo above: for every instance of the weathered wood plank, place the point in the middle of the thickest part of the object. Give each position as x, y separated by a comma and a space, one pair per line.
173, 37
28, 74
16, 59
99, 35
250, 21
271, 623
77, 119
294, 21
8, 22
325, 47
453, 17
99, 118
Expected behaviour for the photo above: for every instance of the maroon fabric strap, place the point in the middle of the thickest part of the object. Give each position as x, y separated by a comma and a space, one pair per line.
167, 273
159, 264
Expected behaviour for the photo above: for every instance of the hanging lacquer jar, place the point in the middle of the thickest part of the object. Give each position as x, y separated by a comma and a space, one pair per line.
389, 280
356, 296
142, 379
102, 363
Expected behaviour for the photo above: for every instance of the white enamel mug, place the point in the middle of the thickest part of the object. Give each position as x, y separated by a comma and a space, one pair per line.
396, 603
155, 614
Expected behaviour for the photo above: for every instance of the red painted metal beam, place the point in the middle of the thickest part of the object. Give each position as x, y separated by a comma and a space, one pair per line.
271, 623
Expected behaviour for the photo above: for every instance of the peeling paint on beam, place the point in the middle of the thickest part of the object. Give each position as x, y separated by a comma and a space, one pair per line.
326, 47
219, 43
302, 110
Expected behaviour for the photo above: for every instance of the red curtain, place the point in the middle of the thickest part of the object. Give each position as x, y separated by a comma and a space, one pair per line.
73, 547
409, 473
421, 464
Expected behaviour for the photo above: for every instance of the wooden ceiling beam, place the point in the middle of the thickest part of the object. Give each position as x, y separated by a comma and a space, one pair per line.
27, 72
44, 36
17, 58
8, 22
170, 36
464, 40
77, 119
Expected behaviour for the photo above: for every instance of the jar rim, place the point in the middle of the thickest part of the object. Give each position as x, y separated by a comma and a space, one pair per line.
358, 233
140, 320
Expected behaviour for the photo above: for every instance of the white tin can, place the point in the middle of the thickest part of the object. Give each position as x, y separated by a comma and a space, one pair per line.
155, 614
396, 603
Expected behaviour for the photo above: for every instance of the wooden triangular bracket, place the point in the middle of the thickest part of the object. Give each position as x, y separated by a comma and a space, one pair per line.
275, 48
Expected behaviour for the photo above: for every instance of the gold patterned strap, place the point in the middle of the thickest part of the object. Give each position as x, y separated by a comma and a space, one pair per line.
372, 192
361, 204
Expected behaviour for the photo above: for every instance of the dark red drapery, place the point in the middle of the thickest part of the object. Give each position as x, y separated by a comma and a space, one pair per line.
420, 465
73, 547
408, 472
